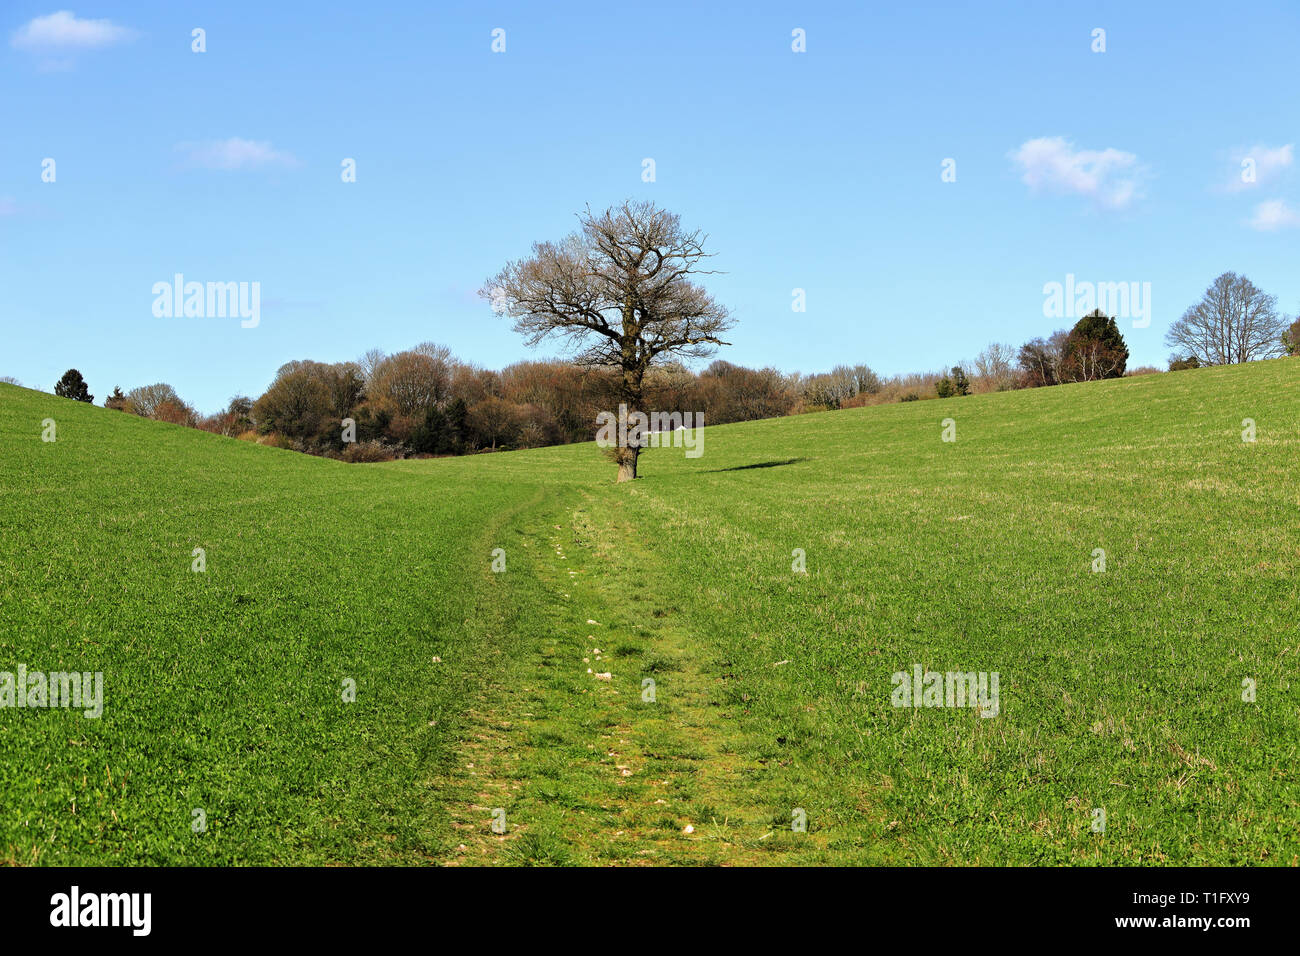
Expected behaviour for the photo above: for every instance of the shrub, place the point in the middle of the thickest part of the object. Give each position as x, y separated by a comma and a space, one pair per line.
369, 451
275, 440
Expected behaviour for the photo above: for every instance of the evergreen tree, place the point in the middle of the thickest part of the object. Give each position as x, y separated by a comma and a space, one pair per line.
1095, 349
73, 386
457, 425
432, 436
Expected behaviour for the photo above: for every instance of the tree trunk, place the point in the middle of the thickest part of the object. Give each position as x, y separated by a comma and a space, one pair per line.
627, 463
633, 376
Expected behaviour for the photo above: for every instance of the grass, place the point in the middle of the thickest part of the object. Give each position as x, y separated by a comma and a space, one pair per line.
224, 689
1119, 690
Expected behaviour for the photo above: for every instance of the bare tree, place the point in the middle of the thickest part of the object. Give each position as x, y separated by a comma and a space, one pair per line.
148, 400
868, 381
295, 403
439, 353
995, 367
412, 381
838, 385
620, 293
346, 387
494, 420
1234, 322
369, 364
1041, 360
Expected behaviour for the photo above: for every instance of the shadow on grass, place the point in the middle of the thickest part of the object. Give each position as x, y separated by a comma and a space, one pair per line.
760, 464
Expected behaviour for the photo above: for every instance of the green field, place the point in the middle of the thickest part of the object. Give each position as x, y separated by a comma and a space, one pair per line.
223, 690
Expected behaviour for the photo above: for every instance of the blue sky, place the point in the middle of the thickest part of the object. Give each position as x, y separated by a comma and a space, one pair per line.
818, 170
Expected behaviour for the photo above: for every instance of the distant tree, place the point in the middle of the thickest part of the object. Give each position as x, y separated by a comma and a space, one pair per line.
297, 403
758, 393
557, 394
1094, 350
240, 414
473, 384
733, 393
117, 400
369, 364
494, 422
537, 427
1036, 365
435, 435
836, 388
457, 425
995, 367
621, 292
669, 387
439, 353
372, 423
148, 399
1040, 360
1179, 362
868, 381
838, 385
73, 386
10, 380
345, 387
235, 420
1291, 338
307, 401
954, 384
412, 381
175, 412
1234, 322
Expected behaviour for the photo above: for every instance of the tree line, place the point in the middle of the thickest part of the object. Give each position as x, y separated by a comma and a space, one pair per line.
425, 401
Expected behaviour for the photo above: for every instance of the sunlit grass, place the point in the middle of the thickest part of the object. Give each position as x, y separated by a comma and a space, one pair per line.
1119, 690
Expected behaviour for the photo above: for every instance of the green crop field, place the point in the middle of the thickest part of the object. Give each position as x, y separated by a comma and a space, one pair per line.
348, 680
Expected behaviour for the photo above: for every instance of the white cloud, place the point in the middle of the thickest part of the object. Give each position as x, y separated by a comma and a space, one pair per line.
1273, 215
62, 31
235, 153
1111, 178
1266, 164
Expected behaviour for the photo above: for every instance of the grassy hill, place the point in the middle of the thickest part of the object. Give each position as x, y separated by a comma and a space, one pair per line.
223, 690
